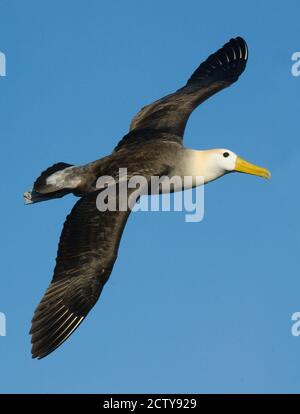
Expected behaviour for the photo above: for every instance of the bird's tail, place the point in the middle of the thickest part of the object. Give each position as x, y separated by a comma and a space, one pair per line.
33, 196
52, 183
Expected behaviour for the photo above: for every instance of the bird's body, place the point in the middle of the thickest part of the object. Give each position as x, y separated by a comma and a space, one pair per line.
153, 147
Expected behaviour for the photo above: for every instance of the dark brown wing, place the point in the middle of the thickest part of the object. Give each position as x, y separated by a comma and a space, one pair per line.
86, 254
221, 69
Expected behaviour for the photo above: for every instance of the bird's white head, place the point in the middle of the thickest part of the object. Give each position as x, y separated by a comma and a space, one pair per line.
214, 163
222, 161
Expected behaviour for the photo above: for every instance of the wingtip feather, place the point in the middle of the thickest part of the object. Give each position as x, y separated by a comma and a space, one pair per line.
226, 64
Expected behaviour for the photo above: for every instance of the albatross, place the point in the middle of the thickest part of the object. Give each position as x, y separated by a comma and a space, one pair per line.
153, 146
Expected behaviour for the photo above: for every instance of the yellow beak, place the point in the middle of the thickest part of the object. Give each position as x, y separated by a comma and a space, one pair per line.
247, 168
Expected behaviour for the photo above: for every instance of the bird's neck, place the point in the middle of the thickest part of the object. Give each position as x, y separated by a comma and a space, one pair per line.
198, 164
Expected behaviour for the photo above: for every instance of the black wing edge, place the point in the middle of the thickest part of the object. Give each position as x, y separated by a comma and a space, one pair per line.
61, 311
227, 64
53, 322
87, 251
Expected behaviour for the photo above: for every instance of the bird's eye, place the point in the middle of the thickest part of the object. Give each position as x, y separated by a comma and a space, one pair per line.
226, 154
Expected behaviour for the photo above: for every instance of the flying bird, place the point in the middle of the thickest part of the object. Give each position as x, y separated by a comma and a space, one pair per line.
153, 146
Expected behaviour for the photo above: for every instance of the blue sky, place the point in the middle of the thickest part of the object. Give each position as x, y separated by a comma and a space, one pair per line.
202, 307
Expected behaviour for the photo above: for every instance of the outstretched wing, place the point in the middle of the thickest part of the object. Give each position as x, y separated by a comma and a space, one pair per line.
86, 254
221, 69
